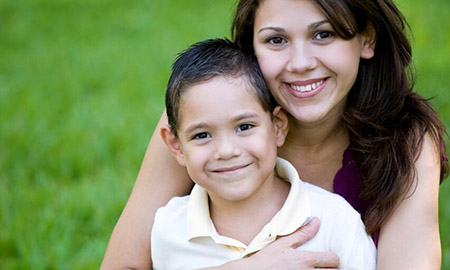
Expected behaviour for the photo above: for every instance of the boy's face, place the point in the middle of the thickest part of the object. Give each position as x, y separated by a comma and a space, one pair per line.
226, 140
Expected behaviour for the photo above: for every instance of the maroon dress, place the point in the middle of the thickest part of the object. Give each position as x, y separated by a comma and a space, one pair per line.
348, 185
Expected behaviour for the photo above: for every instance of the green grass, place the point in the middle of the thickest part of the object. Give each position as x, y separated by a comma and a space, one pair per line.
81, 89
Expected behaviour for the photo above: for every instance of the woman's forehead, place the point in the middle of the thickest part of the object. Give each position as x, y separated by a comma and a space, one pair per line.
287, 12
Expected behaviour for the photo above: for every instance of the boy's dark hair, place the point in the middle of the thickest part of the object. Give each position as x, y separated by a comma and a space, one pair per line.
205, 60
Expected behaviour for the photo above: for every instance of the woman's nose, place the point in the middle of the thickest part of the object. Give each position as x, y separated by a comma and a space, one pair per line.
301, 58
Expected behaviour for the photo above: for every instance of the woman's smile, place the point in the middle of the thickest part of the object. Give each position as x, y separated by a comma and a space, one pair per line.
307, 66
306, 89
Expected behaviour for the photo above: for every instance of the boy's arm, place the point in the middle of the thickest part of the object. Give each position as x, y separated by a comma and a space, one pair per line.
344, 232
357, 251
159, 179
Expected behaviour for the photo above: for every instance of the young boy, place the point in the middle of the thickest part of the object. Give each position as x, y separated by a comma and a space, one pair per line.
224, 128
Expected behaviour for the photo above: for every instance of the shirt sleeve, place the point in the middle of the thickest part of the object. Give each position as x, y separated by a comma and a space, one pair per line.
359, 251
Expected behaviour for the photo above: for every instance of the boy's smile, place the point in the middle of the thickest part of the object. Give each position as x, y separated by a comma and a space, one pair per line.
231, 169
226, 140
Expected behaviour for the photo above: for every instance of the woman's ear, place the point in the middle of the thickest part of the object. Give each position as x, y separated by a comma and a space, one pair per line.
281, 125
368, 41
173, 143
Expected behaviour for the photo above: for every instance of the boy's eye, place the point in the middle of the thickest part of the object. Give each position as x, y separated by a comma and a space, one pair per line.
244, 127
323, 35
201, 135
276, 40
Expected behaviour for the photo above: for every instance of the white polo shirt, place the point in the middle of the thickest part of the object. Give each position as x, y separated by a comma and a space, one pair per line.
184, 236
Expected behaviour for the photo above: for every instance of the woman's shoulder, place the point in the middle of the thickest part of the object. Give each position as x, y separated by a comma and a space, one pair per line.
431, 152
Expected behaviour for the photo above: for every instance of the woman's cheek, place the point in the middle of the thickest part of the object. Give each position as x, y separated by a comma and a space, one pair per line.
268, 68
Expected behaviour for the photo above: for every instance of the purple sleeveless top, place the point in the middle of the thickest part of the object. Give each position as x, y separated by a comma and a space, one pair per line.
348, 185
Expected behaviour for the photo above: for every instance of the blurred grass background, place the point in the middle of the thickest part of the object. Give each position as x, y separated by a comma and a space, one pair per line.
81, 90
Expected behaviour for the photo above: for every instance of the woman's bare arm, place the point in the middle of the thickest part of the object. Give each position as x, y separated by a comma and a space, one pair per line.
410, 237
159, 179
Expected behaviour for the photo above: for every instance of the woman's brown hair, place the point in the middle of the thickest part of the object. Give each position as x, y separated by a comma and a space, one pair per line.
385, 119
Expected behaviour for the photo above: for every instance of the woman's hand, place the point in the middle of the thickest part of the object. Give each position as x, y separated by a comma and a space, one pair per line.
282, 254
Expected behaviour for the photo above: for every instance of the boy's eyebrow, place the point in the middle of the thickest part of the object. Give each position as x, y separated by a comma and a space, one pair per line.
282, 30
244, 116
195, 126
236, 118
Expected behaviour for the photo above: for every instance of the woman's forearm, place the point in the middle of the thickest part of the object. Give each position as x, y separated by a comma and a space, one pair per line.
160, 178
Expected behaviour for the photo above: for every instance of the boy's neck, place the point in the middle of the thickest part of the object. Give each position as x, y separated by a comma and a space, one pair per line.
243, 220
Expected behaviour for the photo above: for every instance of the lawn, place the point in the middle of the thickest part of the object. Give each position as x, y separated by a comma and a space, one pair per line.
81, 90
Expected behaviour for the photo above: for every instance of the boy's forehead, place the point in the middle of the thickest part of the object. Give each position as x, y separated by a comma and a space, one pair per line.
218, 94
222, 83
238, 81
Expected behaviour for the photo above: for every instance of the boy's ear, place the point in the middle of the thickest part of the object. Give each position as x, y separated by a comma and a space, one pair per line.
369, 40
281, 125
173, 144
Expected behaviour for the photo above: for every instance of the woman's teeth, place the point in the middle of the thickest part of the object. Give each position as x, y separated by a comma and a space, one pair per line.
308, 87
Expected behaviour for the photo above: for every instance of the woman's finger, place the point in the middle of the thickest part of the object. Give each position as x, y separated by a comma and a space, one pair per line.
325, 260
302, 235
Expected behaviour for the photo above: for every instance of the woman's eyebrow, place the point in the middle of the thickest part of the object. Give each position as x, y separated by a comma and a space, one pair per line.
273, 28
282, 30
317, 24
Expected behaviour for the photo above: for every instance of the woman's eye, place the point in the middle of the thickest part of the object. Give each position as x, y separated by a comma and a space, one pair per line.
201, 135
244, 127
276, 41
323, 35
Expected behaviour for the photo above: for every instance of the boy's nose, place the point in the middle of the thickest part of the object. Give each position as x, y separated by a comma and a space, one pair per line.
226, 148
301, 58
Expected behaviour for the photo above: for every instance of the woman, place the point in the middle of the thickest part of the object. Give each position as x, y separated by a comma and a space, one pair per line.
340, 68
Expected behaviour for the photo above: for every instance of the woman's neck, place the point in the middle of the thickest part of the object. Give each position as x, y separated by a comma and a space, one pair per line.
316, 149
315, 136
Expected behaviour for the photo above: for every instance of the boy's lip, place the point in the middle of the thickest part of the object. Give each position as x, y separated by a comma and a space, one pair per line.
230, 169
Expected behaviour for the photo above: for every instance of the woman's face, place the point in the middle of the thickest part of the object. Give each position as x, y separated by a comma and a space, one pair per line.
308, 68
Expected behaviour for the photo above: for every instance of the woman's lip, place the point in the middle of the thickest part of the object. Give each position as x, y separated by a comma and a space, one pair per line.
307, 82
308, 93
